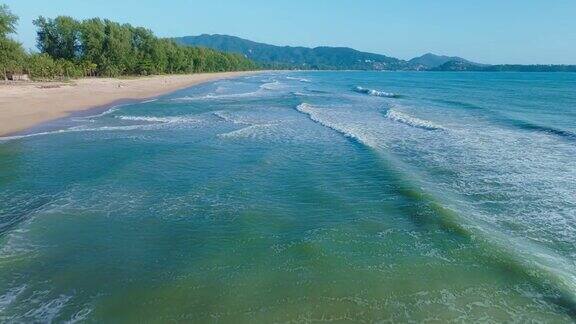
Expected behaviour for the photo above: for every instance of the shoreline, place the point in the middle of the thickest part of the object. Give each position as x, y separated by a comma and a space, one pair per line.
30, 105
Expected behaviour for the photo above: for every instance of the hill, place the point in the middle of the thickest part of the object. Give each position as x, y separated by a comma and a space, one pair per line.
344, 58
430, 61
272, 56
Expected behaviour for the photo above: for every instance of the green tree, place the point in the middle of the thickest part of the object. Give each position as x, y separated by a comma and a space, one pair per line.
12, 54
106, 48
59, 37
8, 21
12, 57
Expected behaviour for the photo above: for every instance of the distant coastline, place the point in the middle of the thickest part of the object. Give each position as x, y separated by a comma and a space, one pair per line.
25, 105
344, 58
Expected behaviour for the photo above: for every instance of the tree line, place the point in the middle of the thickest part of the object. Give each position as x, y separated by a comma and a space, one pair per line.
70, 48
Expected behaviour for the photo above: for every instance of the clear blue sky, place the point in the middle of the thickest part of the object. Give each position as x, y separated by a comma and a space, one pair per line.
488, 31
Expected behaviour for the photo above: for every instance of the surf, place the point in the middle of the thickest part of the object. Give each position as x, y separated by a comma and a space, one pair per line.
375, 93
543, 266
406, 119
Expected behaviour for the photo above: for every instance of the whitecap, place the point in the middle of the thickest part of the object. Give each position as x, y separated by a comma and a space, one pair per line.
251, 131
347, 130
299, 79
274, 85
221, 96
375, 93
411, 121
154, 119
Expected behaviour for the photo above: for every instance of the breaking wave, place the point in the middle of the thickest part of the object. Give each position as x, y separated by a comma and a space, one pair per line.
153, 119
299, 79
376, 93
274, 85
411, 121
315, 115
79, 129
148, 101
248, 131
544, 267
256, 93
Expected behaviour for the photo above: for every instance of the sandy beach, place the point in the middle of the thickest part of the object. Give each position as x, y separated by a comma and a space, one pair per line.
23, 105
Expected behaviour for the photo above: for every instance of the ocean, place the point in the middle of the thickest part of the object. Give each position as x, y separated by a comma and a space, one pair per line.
300, 197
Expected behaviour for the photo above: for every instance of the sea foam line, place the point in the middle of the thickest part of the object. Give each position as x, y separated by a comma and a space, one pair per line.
78, 129
154, 119
256, 93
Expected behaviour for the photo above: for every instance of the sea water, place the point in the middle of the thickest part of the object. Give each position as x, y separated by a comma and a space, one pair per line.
300, 197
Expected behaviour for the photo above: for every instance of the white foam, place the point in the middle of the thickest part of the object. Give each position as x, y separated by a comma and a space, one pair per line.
48, 311
411, 121
147, 101
274, 85
226, 117
221, 96
251, 131
375, 93
104, 113
154, 119
299, 79
79, 316
349, 130
78, 129
10, 296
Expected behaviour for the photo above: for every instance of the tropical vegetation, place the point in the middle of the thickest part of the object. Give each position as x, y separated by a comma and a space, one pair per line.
70, 48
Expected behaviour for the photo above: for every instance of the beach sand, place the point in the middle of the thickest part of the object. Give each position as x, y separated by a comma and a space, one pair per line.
23, 105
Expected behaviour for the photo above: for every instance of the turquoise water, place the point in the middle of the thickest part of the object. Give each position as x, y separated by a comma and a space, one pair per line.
300, 197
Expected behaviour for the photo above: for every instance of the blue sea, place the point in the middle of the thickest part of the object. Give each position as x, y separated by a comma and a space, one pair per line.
299, 197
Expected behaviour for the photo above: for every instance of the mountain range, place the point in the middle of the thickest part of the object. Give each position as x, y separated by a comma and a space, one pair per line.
344, 58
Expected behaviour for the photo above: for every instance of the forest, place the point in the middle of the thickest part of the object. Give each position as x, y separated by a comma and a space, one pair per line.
69, 48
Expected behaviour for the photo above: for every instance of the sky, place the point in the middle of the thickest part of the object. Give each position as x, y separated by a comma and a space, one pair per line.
485, 31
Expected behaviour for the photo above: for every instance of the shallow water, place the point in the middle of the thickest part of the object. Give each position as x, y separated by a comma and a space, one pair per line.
298, 197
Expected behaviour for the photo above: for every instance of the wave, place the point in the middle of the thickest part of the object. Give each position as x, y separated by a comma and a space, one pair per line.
299, 79
78, 129
47, 311
411, 121
227, 118
249, 131
10, 296
521, 124
104, 113
148, 101
376, 93
542, 267
317, 91
302, 94
222, 96
542, 129
316, 116
153, 119
274, 85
